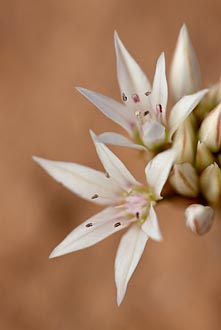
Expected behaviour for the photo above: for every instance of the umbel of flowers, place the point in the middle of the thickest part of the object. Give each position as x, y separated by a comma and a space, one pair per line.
184, 146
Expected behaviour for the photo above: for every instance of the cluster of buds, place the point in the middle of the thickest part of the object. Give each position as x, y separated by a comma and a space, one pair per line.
197, 170
184, 147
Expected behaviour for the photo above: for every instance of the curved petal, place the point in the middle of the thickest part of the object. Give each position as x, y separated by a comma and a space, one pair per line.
114, 167
118, 140
158, 170
133, 82
159, 93
128, 255
151, 226
91, 231
153, 133
183, 108
114, 110
83, 181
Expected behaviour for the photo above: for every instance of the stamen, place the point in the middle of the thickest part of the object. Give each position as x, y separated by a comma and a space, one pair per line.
147, 93
137, 113
117, 224
146, 113
129, 191
138, 215
135, 98
124, 97
89, 225
159, 108
94, 196
107, 175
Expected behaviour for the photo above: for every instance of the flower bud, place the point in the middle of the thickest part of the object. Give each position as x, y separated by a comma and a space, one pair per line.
210, 130
199, 218
210, 183
185, 72
208, 102
204, 157
185, 141
184, 180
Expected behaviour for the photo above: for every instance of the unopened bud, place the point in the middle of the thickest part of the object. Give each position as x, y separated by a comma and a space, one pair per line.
210, 130
199, 218
210, 183
184, 180
204, 157
185, 141
208, 102
185, 72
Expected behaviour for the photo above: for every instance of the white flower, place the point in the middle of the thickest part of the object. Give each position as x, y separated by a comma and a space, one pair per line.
185, 77
143, 114
199, 218
128, 203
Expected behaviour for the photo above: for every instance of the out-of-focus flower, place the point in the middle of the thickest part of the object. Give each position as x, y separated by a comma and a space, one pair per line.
184, 180
185, 75
199, 218
210, 182
143, 114
128, 203
210, 130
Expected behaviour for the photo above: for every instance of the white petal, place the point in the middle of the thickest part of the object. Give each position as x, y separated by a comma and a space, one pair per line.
151, 226
114, 110
118, 140
132, 80
185, 74
153, 133
183, 108
159, 93
83, 181
158, 170
128, 255
114, 167
91, 231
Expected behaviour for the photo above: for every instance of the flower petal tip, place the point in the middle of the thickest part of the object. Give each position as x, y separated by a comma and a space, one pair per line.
120, 299
93, 135
184, 28
82, 90
38, 160
78, 88
158, 238
52, 255
59, 251
116, 38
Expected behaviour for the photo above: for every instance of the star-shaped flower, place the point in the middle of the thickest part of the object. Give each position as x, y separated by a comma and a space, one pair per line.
143, 114
128, 202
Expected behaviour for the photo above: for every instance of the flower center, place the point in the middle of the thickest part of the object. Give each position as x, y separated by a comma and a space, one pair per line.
136, 205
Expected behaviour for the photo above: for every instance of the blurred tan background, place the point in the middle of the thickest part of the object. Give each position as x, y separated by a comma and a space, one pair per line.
47, 47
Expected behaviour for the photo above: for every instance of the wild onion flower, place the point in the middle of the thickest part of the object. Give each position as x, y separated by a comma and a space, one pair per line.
143, 114
129, 203
190, 136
